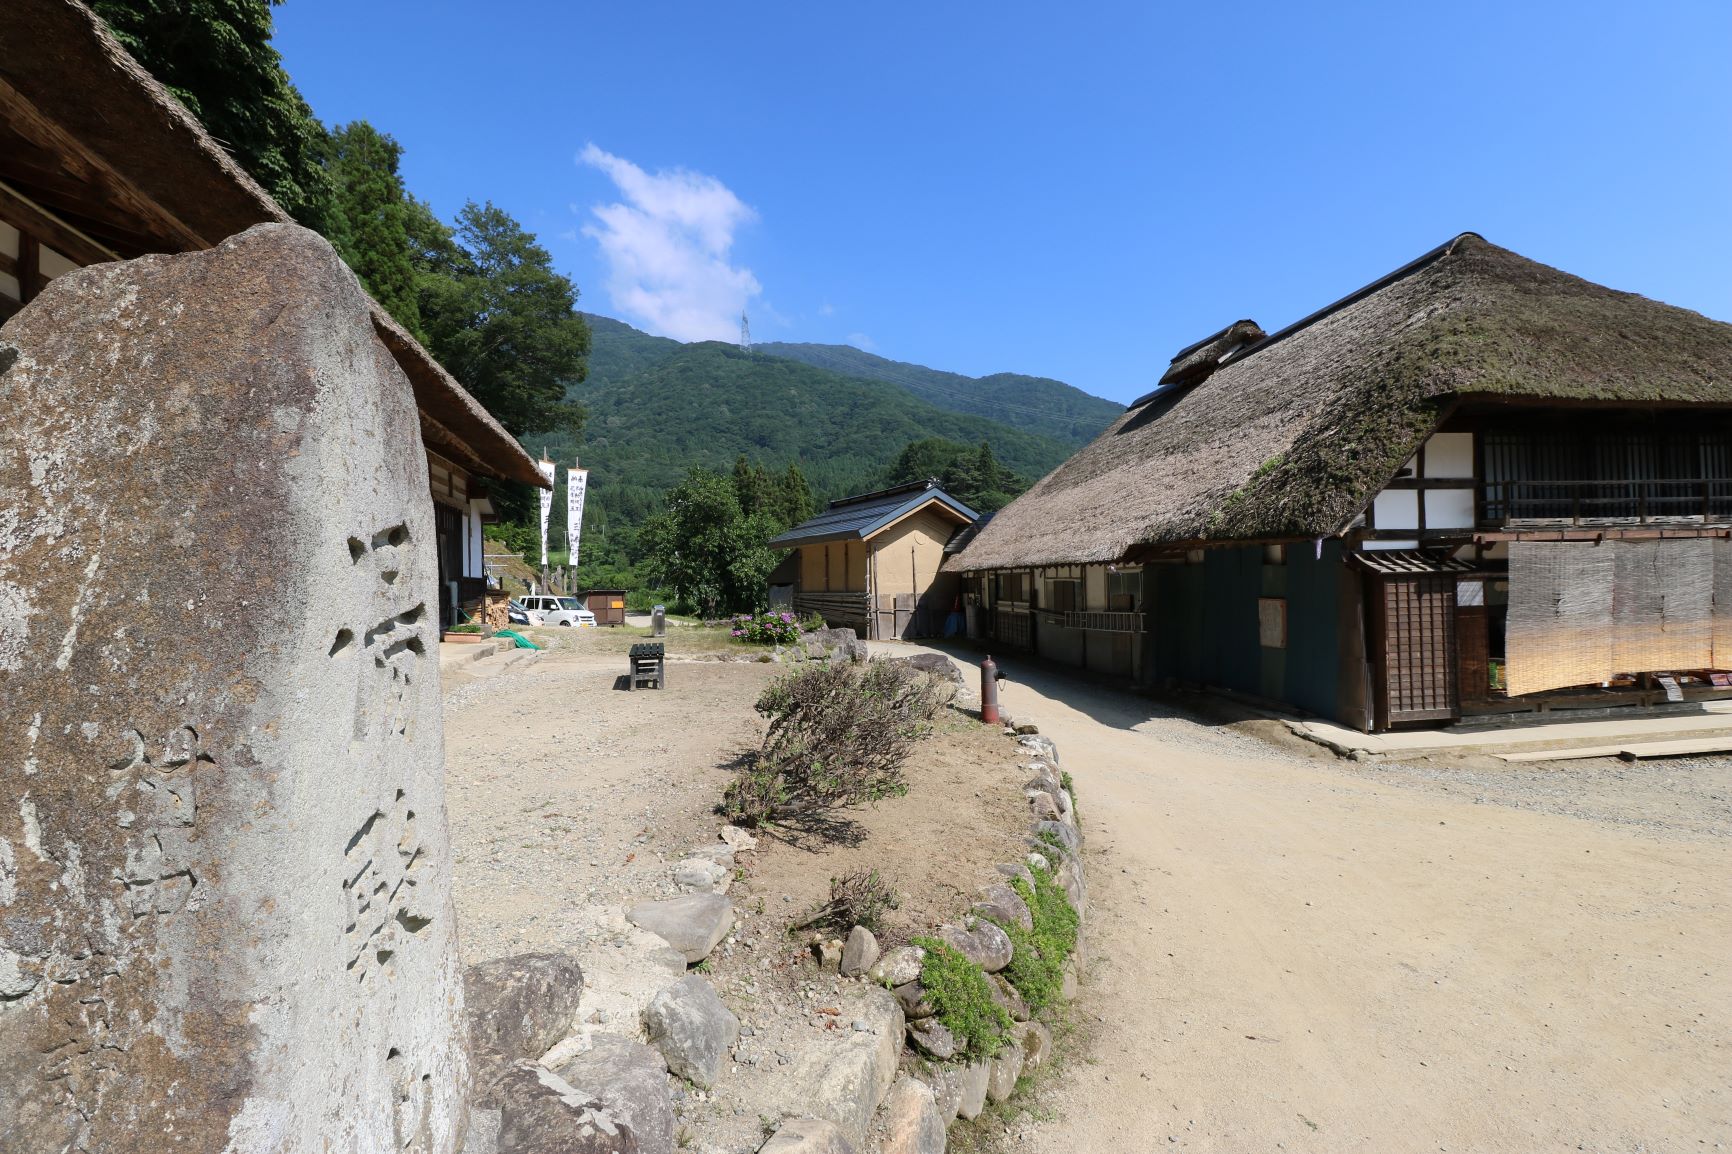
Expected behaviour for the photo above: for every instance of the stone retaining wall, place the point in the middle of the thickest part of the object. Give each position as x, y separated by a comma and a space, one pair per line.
889, 1080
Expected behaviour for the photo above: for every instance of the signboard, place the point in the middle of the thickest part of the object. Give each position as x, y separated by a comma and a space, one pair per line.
576, 481
548, 470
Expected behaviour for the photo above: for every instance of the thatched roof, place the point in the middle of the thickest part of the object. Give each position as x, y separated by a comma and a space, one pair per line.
88, 135
1293, 435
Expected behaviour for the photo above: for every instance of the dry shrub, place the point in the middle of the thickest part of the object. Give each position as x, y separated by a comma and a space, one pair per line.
839, 735
860, 898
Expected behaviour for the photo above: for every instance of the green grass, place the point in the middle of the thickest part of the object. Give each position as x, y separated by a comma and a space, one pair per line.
1053, 842
959, 992
1037, 962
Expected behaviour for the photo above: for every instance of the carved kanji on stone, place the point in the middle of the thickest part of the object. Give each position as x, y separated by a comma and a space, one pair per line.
225, 913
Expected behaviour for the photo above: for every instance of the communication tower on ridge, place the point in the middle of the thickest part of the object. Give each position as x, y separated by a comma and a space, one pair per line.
745, 332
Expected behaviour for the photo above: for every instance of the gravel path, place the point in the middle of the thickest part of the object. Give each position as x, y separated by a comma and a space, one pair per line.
1294, 953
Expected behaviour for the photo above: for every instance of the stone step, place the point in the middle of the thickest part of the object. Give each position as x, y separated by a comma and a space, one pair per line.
1629, 750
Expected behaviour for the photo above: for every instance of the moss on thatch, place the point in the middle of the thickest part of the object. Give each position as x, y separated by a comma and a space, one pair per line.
1293, 436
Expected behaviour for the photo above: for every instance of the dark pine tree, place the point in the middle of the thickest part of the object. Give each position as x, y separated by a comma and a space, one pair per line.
370, 218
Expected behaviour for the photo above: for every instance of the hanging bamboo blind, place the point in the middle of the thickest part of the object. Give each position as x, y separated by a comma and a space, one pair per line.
1580, 613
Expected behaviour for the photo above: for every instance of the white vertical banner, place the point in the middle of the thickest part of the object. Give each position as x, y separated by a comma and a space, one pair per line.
576, 481
550, 471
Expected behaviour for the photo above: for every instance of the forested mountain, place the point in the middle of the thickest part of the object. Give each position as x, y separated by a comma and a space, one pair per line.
658, 407
1035, 404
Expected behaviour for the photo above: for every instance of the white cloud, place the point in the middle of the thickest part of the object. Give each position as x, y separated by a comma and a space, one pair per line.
666, 243
861, 341
826, 309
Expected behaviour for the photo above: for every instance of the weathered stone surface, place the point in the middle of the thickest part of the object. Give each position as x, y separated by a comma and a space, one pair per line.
738, 839
912, 1123
630, 1080
619, 980
1041, 805
1025, 730
519, 1006
1036, 1042
982, 943
898, 966
837, 644
222, 816
1017, 870
1068, 982
701, 875
692, 1029
541, 1113
915, 1005
1005, 995
721, 853
859, 952
807, 1136
946, 1081
1003, 1072
483, 1136
937, 664
692, 924
1066, 834
828, 951
1070, 879
846, 1079
1040, 747
932, 1038
1004, 905
975, 1076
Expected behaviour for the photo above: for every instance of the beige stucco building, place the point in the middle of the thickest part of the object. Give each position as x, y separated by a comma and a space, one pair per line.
871, 563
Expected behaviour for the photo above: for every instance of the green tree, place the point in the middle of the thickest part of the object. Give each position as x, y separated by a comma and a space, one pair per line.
756, 491
927, 457
216, 57
498, 317
706, 550
971, 475
794, 502
369, 220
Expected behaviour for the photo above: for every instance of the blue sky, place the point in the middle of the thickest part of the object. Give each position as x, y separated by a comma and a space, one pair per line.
1069, 190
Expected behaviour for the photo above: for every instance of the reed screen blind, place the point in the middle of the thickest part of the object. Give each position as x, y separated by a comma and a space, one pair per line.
1579, 613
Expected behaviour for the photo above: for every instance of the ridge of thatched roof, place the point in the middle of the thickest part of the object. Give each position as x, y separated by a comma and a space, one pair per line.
71, 94
1292, 436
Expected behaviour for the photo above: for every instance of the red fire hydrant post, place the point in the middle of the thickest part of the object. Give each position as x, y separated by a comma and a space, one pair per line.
989, 692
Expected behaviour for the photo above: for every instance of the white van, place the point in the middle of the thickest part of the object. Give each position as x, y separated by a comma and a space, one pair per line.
567, 611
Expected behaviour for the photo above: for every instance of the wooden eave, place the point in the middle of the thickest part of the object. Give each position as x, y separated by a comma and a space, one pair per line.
73, 200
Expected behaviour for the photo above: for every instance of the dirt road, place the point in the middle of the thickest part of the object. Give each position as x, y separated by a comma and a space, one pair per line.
1307, 956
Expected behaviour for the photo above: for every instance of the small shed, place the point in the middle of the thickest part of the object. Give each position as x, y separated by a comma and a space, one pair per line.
608, 605
872, 562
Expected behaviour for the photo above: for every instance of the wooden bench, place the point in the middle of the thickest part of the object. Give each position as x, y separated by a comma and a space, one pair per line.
648, 663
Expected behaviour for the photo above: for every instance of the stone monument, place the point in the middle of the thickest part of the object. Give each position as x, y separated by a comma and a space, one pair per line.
225, 911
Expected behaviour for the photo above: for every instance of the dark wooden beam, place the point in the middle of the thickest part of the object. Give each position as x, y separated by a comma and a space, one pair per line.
108, 186
32, 218
29, 267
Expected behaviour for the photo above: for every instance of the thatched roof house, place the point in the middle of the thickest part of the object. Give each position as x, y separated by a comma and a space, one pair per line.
1290, 435
1423, 500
